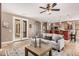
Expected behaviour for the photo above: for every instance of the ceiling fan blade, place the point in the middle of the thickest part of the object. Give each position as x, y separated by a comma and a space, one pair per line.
43, 7
48, 5
54, 4
55, 9
43, 11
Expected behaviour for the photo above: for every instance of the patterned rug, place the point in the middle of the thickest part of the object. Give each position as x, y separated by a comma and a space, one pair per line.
17, 49
21, 52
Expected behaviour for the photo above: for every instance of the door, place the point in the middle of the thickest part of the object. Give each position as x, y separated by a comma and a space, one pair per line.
16, 29
24, 28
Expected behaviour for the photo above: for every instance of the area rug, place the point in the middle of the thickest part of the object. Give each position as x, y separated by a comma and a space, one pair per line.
17, 49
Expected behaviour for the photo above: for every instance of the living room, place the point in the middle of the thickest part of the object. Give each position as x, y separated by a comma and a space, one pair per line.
22, 22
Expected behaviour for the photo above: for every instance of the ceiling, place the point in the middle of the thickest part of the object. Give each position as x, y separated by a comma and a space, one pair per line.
68, 11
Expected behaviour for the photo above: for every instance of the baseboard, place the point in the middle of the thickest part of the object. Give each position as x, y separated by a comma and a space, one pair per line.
12, 41
7, 42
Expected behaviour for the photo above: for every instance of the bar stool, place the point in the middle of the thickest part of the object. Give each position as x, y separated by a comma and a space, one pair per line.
73, 36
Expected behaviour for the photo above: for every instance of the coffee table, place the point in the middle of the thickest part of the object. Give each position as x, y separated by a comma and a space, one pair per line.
38, 51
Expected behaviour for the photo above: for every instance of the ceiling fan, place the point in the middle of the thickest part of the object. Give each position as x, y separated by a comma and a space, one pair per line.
50, 7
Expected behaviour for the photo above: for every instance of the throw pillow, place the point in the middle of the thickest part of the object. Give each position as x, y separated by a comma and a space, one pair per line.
48, 38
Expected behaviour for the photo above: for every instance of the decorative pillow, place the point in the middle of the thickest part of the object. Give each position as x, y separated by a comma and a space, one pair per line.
56, 37
48, 37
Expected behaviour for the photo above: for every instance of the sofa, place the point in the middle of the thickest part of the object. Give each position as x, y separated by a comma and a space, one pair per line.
55, 40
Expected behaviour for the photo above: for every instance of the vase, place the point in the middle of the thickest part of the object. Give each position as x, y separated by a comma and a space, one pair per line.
40, 43
35, 43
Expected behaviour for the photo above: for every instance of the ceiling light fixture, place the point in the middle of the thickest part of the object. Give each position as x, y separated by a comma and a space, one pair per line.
49, 8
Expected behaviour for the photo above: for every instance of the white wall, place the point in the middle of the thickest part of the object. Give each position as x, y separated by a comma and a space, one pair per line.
8, 35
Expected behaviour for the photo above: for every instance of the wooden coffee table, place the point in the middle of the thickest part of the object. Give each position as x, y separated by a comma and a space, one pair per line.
38, 51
